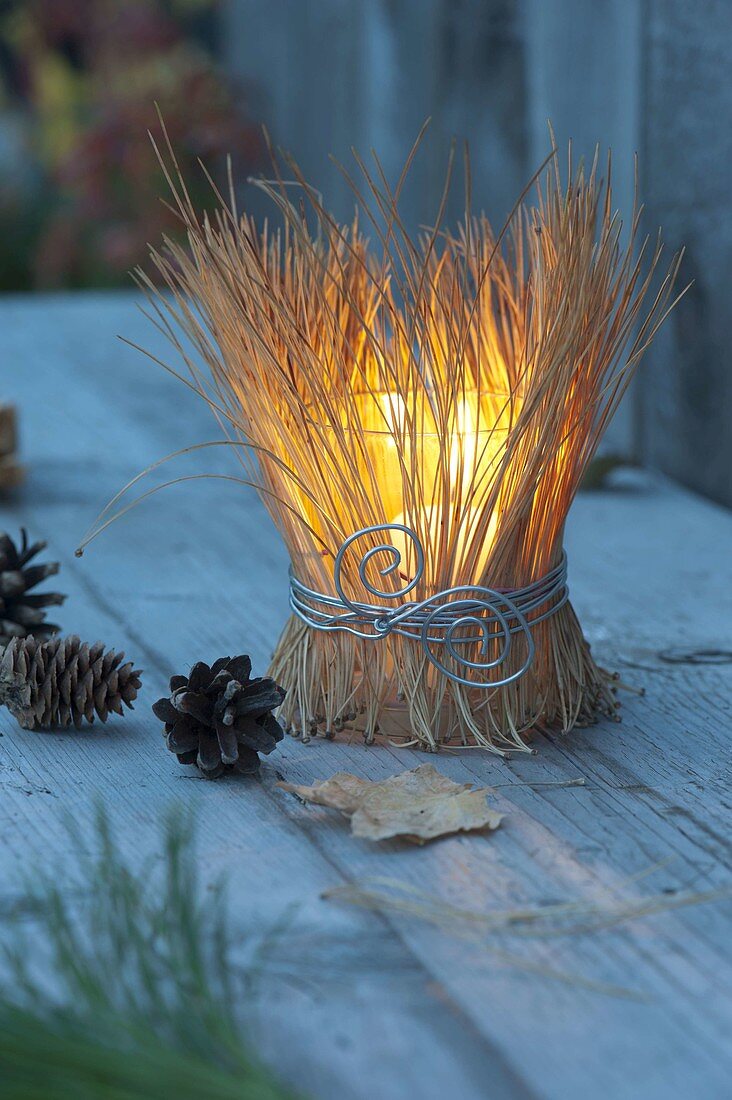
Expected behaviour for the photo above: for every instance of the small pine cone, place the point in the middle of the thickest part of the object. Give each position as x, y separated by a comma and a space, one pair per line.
46, 685
219, 718
23, 613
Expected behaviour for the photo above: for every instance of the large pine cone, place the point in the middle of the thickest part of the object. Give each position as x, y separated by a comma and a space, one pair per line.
219, 718
21, 613
62, 681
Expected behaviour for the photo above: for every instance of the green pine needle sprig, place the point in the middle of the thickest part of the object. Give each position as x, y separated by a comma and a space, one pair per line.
119, 984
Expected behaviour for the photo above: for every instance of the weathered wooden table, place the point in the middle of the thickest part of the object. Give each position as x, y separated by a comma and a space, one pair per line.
402, 1009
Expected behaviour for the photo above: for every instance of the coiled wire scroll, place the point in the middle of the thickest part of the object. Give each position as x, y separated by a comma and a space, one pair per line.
489, 615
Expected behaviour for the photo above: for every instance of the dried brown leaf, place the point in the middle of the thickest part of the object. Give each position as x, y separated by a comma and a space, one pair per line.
420, 804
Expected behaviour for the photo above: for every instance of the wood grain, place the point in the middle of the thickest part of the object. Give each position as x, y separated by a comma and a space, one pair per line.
394, 1008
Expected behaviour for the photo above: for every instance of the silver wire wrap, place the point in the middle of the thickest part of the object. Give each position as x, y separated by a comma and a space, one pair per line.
499, 615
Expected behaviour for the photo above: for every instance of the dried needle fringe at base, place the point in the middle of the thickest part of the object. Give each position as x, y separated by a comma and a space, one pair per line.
339, 682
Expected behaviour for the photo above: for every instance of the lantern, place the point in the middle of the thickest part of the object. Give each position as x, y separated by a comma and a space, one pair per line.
417, 414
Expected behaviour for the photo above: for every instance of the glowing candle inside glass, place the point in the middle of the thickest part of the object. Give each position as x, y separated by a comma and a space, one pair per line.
447, 465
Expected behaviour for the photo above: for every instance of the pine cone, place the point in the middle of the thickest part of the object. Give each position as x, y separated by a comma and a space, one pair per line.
219, 718
64, 681
21, 613
11, 472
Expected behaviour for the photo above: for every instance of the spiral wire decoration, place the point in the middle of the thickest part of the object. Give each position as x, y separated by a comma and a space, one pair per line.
436, 623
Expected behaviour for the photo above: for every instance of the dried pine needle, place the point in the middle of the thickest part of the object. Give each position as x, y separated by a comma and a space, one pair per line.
540, 921
529, 922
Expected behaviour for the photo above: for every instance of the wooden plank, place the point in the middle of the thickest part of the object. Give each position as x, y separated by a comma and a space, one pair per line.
687, 388
418, 1011
583, 64
327, 76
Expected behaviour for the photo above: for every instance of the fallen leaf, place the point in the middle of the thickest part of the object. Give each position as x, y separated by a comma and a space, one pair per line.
421, 804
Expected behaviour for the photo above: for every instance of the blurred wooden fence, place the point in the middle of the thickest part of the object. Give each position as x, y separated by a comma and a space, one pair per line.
645, 75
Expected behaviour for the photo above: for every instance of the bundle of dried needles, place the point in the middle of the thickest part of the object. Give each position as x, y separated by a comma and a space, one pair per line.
457, 383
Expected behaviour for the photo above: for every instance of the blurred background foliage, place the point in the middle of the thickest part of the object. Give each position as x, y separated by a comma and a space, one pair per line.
80, 193
80, 188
